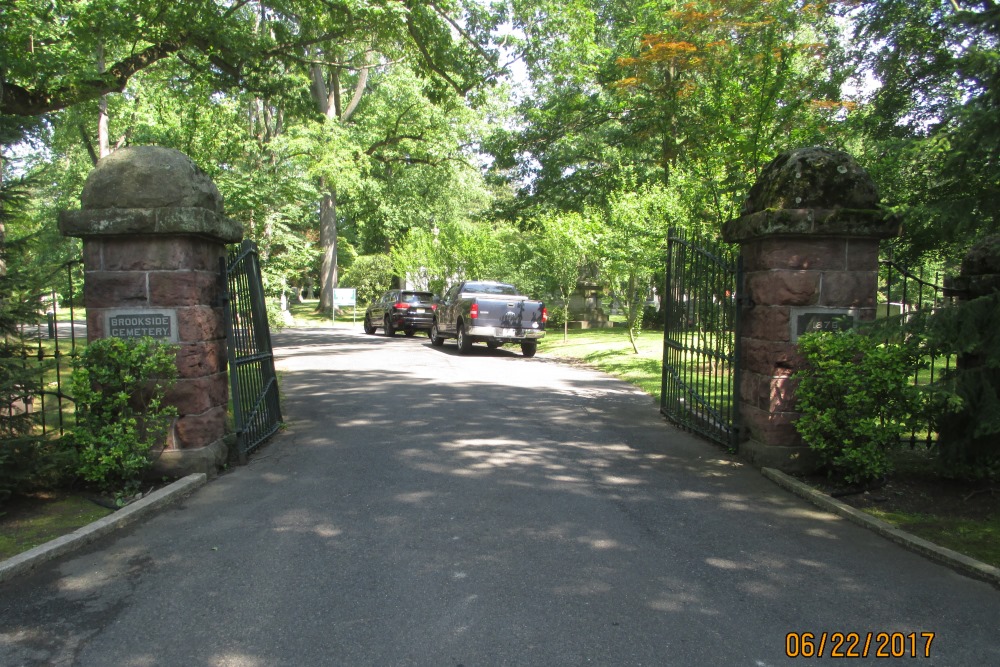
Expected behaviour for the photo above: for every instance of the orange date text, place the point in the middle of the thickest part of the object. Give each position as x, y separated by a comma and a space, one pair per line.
858, 644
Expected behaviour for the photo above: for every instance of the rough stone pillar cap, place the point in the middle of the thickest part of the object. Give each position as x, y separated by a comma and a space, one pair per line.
980, 274
812, 192
149, 190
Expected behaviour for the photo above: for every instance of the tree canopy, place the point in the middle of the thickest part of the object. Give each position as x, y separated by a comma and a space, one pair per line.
403, 129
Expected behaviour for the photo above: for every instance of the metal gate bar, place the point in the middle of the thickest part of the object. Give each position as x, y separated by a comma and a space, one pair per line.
700, 337
252, 380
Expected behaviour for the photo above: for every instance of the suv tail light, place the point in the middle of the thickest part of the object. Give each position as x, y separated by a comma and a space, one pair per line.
474, 311
401, 306
545, 314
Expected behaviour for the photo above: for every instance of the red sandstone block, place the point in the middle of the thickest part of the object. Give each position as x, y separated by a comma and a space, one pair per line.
195, 431
199, 323
784, 288
195, 360
164, 253
193, 396
767, 323
95, 324
795, 254
183, 288
770, 358
845, 289
754, 390
862, 255
92, 255
782, 394
776, 429
102, 289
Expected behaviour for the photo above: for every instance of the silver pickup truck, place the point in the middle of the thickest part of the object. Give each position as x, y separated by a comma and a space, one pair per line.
494, 313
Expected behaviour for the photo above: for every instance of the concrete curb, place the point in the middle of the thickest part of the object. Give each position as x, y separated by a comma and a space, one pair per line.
963, 564
28, 560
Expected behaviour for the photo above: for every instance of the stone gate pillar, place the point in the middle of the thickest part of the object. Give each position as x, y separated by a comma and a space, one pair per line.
808, 234
153, 231
958, 442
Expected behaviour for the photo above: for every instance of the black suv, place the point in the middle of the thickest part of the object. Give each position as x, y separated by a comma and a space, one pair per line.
406, 310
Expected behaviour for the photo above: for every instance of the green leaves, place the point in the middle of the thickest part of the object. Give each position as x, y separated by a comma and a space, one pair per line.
855, 399
119, 387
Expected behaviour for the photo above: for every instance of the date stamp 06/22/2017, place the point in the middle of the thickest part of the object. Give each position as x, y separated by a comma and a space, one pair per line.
858, 644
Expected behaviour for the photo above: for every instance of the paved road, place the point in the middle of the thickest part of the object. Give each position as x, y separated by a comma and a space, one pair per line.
425, 508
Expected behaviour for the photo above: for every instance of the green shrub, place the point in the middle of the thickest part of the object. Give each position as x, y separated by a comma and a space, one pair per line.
370, 275
119, 387
855, 400
29, 460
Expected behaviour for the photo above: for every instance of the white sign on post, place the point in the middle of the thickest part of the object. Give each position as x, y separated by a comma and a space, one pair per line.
345, 297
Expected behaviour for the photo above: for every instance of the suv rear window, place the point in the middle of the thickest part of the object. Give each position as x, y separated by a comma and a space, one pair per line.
416, 297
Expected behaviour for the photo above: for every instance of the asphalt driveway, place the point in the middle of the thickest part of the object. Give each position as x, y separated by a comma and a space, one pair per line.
426, 508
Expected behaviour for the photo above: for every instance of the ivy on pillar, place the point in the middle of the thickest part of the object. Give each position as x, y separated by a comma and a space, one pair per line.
809, 236
153, 233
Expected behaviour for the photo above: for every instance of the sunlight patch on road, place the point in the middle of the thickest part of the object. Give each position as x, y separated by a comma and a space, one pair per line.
691, 495
237, 660
599, 543
301, 522
677, 602
415, 498
726, 564
619, 480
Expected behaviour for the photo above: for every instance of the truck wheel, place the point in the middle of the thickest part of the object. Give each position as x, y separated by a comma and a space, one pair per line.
529, 347
389, 330
369, 327
436, 339
464, 342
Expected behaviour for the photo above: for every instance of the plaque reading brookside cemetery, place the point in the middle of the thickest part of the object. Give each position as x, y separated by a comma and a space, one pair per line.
805, 320
158, 324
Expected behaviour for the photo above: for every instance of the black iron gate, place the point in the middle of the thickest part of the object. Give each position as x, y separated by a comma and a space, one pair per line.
37, 355
253, 384
701, 332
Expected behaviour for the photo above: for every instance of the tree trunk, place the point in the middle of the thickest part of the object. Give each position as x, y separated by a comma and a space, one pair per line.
328, 242
103, 141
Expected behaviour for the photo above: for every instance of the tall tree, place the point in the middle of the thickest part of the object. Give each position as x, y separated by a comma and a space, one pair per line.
931, 116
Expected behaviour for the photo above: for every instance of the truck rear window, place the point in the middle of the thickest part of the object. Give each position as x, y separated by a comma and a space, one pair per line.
491, 288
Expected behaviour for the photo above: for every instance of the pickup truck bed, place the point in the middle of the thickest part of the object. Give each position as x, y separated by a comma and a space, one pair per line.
489, 312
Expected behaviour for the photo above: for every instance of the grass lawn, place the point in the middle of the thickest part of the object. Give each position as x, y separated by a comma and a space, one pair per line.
610, 351
29, 522
306, 314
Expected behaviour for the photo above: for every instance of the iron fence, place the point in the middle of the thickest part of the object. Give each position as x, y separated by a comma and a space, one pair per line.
700, 339
44, 349
902, 295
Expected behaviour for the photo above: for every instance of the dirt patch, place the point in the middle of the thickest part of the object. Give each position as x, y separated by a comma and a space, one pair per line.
908, 492
960, 515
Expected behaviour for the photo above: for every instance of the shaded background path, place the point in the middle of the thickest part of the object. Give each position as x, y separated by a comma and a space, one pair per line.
425, 508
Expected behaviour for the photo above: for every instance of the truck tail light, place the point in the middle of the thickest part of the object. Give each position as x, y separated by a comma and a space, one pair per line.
474, 311
545, 314
434, 306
